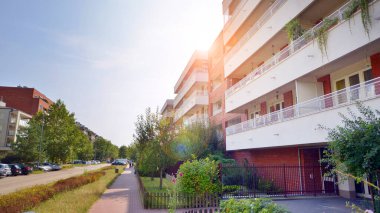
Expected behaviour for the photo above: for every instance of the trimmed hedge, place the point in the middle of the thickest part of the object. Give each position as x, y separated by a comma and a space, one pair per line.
28, 198
262, 205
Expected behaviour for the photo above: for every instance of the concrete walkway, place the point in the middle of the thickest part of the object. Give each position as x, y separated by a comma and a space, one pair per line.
122, 196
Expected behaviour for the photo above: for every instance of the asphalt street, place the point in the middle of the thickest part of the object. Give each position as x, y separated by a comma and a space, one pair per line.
11, 184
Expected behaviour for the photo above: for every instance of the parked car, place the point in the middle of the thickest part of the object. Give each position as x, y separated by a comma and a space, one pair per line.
119, 162
5, 170
54, 167
25, 170
15, 169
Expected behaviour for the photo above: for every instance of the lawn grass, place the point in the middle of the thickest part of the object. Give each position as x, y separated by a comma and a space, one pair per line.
153, 186
78, 200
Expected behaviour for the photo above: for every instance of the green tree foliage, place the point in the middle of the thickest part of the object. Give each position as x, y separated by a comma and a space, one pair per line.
105, 150
251, 205
131, 152
153, 138
59, 133
123, 152
199, 177
28, 140
355, 144
60, 141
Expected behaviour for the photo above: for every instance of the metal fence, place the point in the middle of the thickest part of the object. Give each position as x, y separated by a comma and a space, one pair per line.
276, 181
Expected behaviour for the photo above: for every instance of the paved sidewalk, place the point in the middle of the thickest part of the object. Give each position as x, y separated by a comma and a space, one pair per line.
122, 197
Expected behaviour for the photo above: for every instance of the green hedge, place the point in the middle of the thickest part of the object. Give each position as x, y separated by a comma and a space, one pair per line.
258, 205
28, 198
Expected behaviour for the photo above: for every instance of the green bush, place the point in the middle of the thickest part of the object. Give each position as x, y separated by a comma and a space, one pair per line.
199, 176
230, 188
258, 205
28, 198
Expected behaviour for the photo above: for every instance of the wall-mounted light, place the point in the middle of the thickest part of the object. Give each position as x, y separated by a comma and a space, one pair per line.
277, 134
273, 77
310, 56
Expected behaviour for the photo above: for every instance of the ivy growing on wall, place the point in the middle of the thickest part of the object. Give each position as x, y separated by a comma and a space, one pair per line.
365, 16
322, 35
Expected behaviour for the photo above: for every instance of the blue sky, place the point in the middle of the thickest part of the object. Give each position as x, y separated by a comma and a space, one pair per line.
107, 60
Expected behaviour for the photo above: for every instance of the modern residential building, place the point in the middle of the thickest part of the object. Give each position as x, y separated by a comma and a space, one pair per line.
11, 121
28, 100
167, 110
88, 132
217, 87
191, 101
287, 87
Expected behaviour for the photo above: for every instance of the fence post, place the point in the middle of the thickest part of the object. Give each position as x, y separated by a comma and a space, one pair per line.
254, 185
315, 191
284, 181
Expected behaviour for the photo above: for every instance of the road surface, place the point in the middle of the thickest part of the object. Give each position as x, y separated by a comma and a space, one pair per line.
11, 184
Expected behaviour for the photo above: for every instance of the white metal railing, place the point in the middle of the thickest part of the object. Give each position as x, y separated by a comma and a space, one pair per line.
189, 103
233, 15
263, 19
11, 132
291, 49
360, 92
196, 118
217, 111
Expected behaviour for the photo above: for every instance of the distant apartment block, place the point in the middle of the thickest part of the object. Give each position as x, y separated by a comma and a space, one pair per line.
11, 121
191, 101
28, 100
286, 87
167, 110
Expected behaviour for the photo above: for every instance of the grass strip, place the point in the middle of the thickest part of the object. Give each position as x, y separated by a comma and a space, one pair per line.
154, 185
25, 199
81, 199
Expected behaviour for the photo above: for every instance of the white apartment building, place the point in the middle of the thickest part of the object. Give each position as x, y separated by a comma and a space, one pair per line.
288, 87
191, 101
11, 120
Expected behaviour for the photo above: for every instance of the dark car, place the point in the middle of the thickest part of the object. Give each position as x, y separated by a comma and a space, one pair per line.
25, 170
15, 169
119, 162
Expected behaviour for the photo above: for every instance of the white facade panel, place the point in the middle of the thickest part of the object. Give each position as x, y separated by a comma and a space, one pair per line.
299, 131
342, 39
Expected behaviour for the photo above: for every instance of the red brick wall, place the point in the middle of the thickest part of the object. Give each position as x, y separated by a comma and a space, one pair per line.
272, 156
375, 63
22, 99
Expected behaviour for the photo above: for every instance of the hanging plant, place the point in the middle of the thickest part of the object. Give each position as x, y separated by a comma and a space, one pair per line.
365, 16
294, 29
322, 35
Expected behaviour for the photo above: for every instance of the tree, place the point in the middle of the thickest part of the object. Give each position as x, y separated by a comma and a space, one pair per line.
83, 147
355, 145
27, 146
123, 152
59, 133
153, 138
131, 152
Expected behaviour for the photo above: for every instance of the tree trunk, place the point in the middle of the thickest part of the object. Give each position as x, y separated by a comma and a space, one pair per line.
373, 192
161, 178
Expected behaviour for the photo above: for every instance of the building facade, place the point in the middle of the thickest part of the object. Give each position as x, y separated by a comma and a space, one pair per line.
28, 100
167, 110
217, 86
288, 86
192, 99
11, 121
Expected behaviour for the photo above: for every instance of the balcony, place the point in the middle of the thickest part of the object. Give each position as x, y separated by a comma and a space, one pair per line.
194, 78
263, 19
299, 123
196, 118
344, 38
197, 98
272, 22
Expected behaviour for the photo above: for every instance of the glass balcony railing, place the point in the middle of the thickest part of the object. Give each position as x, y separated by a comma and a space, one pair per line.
291, 49
360, 92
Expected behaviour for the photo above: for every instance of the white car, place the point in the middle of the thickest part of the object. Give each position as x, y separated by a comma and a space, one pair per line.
5, 170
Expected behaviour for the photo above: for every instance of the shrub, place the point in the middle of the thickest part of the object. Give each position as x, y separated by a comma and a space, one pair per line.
230, 188
262, 205
28, 198
199, 176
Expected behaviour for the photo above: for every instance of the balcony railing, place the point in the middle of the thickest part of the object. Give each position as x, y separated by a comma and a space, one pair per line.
196, 118
291, 49
360, 92
189, 83
189, 103
233, 15
263, 19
